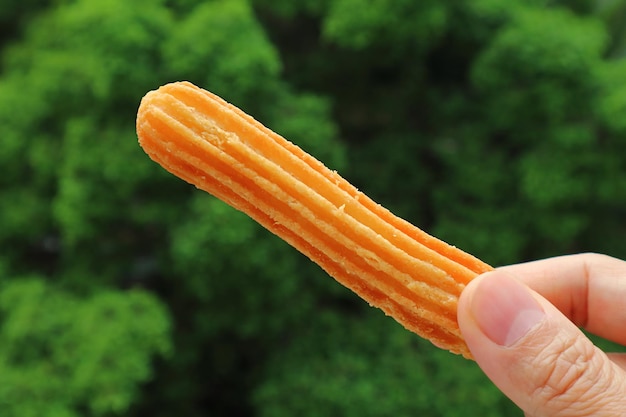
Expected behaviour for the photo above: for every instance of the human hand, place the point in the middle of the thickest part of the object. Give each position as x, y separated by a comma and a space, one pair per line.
521, 324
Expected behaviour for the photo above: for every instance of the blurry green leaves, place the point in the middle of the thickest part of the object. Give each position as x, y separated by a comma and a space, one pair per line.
291, 9
221, 46
611, 106
72, 173
541, 78
540, 67
60, 353
369, 366
496, 125
19, 117
359, 24
553, 179
472, 197
535, 35
395, 158
247, 281
306, 120
76, 63
220, 231
87, 173
61, 72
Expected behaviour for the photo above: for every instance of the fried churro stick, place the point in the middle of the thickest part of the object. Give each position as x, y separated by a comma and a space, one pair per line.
393, 265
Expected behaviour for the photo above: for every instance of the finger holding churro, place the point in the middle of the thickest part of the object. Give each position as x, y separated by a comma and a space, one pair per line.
391, 264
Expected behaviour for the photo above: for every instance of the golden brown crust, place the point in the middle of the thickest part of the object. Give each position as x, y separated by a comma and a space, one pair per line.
390, 263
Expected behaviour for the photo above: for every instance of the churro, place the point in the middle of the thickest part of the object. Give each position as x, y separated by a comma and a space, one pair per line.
393, 265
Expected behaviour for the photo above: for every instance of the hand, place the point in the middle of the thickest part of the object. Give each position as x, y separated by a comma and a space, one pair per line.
520, 323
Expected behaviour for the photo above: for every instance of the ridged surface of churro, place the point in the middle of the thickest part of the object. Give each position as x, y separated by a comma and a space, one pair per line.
390, 263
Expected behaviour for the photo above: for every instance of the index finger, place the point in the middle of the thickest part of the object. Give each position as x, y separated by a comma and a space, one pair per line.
590, 289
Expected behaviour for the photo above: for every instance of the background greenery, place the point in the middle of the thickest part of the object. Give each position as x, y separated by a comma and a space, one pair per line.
497, 125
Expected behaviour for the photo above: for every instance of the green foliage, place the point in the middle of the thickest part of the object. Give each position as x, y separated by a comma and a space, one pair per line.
222, 232
544, 61
340, 366
611, 104
306, 120
219, 44
291, 9
496, 125
60, 354
359, 24
126, 33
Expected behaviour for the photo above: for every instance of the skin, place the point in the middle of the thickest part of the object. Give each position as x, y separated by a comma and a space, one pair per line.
521, 323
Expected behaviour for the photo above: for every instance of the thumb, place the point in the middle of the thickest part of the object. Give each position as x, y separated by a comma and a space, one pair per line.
534, 354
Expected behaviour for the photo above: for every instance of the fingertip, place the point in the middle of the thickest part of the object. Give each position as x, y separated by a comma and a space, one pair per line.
470, 329
465, 299
466, 305
504, 309
528, 348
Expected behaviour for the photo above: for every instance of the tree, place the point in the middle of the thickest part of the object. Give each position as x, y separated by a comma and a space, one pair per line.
61, 354
495, 125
